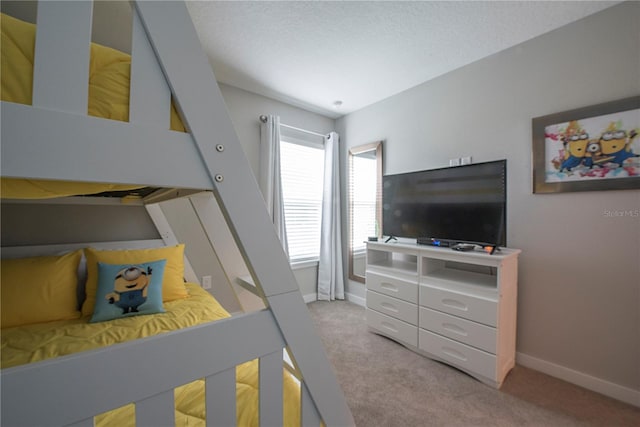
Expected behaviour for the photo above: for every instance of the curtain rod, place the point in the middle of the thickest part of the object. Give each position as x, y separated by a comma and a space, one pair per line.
263, 119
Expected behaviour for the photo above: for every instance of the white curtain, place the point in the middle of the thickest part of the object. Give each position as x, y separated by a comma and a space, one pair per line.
330, 274
270, 181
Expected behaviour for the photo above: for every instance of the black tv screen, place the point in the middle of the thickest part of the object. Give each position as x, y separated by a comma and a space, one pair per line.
462, 203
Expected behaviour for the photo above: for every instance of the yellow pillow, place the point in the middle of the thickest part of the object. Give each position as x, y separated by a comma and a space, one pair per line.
39, 289
172, 284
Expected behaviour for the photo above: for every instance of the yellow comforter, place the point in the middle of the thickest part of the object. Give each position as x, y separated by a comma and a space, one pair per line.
109, 76
37, 342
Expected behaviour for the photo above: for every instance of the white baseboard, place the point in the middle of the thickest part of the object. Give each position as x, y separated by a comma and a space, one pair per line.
615, 391
310, 298
347, 296
355, 299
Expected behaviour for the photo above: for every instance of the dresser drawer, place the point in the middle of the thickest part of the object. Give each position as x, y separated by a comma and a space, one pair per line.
393, 307
393, 286
465, 331
393, 328
460, 355
470, 307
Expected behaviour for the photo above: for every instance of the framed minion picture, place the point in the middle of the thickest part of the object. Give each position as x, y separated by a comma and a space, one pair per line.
588, 149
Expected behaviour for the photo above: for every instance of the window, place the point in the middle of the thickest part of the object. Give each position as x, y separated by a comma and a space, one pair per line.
302, 171
363, 192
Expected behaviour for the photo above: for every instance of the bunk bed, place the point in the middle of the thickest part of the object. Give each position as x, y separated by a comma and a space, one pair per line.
54, 139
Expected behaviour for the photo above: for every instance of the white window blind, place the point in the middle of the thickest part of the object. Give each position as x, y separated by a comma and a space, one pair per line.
362, 193
302, 170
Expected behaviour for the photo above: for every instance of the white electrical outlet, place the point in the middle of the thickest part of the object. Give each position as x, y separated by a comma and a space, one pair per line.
206, 282
465, 160
454, 162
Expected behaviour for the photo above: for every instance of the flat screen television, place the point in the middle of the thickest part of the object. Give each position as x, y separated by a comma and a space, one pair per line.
455, 204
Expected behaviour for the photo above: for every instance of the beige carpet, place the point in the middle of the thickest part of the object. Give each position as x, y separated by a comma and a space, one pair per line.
389, 385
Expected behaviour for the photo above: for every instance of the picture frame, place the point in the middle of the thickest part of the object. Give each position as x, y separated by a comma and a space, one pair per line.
592, 148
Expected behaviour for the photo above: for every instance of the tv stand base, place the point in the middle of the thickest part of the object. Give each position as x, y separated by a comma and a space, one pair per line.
458, 307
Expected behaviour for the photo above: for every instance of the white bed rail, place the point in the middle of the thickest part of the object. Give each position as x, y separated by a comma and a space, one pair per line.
38, 138
61, 76
71, 390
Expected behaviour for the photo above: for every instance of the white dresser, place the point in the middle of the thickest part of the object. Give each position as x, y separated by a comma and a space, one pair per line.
456, 307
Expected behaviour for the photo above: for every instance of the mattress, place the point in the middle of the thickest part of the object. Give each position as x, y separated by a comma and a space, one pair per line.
109, 81
31, 343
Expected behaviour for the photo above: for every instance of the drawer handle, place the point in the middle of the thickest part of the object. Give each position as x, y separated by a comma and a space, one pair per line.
389, 286
454, 353
455, 304
389, 307
388, 326
455, 329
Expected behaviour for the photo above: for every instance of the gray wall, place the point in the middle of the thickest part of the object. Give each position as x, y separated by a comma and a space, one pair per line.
245, 108
579, 279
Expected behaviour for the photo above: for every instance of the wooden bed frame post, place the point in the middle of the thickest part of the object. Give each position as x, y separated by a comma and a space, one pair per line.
193, 84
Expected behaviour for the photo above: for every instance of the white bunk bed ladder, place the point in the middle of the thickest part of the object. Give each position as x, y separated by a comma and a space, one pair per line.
204, 112
56, 139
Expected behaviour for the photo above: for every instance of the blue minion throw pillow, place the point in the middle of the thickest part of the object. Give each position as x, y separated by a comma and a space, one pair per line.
126, 290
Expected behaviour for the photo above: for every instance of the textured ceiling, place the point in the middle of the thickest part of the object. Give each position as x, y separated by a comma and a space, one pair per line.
311, 54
